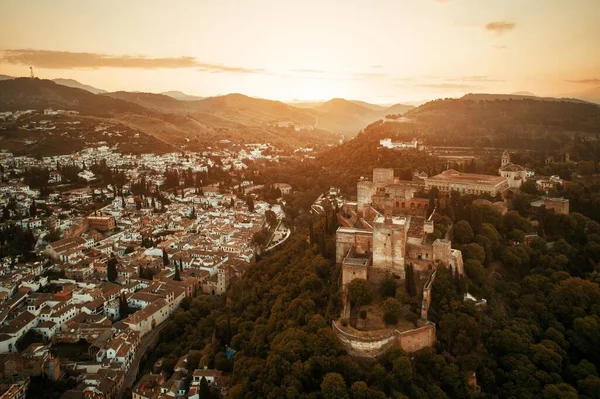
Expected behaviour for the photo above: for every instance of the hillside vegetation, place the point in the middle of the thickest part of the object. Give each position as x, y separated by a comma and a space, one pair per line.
535, 338
503, 123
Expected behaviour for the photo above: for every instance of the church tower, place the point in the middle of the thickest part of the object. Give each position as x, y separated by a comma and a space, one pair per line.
505, 159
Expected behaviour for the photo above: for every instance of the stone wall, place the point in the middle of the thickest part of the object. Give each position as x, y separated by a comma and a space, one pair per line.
351, 272
360, 240
364, 191
373, 344
418, 338
559, 205
402, 206
441, 251
383, 175
389, 246
364, 344
419, 251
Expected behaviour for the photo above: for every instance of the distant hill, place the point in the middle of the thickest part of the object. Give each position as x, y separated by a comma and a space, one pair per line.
304, 104
78, 85
349, 117
591, 95
26, 93
6, 77
342, 106
158, 102
249, 110
492, 97
504, 122
374, 107
181, 96
523, 93
399, 108
183, 124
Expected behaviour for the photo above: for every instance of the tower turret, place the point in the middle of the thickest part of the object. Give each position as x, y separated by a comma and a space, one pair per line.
505, 159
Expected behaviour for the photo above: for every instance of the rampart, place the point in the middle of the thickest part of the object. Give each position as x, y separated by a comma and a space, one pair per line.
372, 344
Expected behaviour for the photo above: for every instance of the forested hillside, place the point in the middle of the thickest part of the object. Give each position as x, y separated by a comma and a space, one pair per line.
503, 123
537, 336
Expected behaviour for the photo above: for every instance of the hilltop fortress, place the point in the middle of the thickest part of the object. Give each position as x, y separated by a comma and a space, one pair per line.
381, 233
387, 228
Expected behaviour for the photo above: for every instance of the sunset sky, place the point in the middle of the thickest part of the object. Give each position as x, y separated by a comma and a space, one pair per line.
382, 51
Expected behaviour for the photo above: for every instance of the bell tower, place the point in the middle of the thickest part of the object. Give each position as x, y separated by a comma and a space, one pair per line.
505, 159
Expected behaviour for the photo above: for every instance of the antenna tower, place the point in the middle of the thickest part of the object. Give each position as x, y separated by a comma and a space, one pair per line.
31, 75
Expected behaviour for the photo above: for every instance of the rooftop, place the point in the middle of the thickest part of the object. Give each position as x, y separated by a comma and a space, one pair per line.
453, 176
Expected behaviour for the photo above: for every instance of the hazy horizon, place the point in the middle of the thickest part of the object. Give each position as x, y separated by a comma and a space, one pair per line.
399, 51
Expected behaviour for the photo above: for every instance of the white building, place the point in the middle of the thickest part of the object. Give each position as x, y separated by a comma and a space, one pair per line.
388, 143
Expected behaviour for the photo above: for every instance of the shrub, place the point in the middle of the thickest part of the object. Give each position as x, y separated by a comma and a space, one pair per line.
388, 285
360, 292
392, 309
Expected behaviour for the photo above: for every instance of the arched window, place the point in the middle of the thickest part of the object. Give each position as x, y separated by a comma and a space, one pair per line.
403, 205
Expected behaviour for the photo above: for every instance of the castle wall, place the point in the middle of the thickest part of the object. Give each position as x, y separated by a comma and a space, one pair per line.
419, 251
417, 339
427, 296
351, 272
345, 239
404, 188
401, 205
441, 251
383, 175
362, 343
364, 192
372, 344
389, 249
560, 206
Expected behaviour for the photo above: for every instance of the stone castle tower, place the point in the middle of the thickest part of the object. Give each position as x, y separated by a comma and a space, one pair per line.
505, 158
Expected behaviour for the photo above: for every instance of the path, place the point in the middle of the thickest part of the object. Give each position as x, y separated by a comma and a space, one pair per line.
147, 341
287, 231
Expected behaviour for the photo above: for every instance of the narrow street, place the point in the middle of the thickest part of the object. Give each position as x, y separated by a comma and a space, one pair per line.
149, 340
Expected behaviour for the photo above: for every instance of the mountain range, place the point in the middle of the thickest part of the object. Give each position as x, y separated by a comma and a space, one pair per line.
193, 123
589, 95
337, 116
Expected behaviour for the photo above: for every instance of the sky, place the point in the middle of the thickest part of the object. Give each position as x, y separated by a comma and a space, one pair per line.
381, 51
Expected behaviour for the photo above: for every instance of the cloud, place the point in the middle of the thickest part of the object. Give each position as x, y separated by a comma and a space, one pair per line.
449, 86
500, 27
69, 60
593, 81
308, 70
215, 68
498, 46
477, 78
366, 75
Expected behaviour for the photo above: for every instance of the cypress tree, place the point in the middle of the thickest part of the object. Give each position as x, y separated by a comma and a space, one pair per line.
165, 258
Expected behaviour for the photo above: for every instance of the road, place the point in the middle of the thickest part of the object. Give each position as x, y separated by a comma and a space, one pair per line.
286, 230
147, 341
